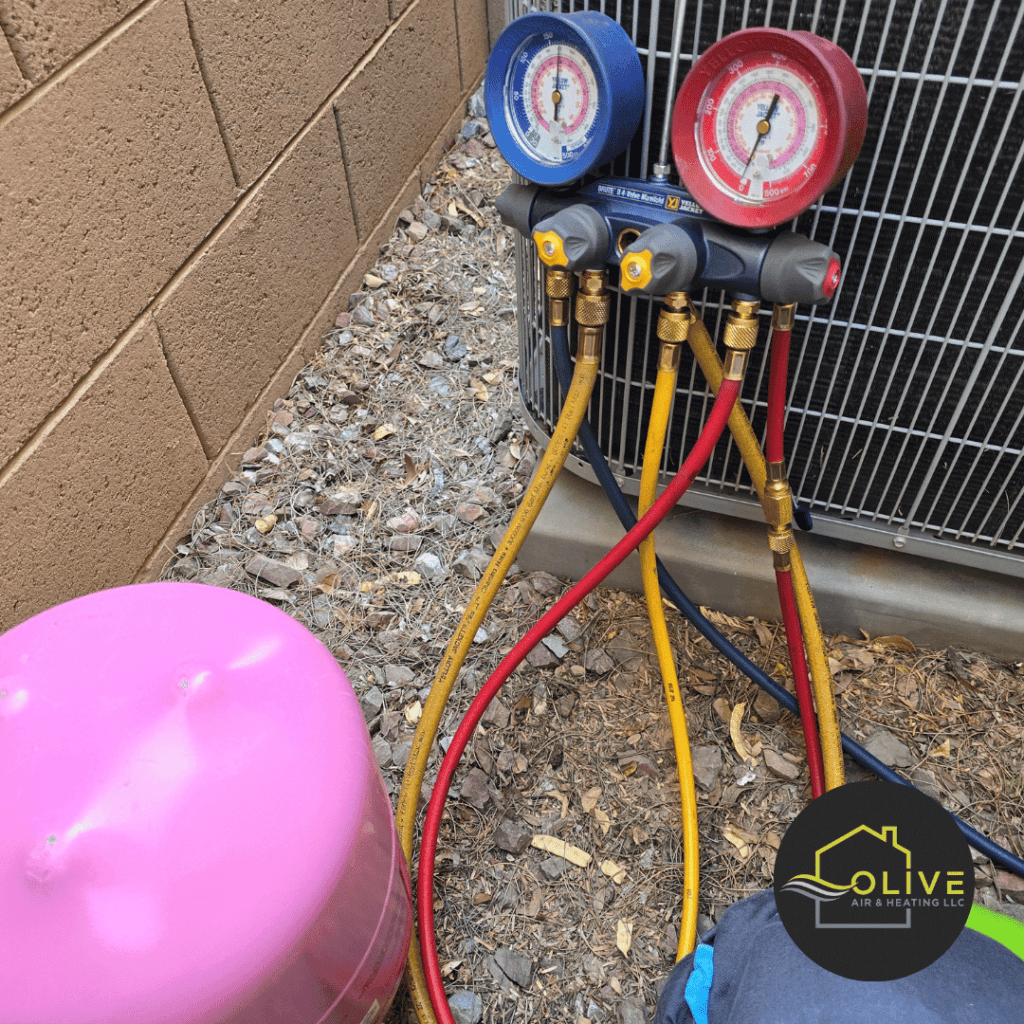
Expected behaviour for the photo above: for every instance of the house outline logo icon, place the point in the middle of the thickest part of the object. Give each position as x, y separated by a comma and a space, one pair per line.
818, 889
873, 881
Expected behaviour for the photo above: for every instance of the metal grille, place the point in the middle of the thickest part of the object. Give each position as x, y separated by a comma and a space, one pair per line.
905, 420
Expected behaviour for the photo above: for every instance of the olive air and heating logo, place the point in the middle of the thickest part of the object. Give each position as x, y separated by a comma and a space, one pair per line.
873, 881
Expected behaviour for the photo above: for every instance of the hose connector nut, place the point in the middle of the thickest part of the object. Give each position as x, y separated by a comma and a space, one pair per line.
780, 540
558, 283
593, 303
783, 316
777, 503
735, 364
741, 325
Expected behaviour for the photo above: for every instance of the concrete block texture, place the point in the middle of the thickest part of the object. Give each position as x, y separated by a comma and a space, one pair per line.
392, 110
270, 63
12, 84
474, 46
92, 497
240, 307
48, 33
110, 176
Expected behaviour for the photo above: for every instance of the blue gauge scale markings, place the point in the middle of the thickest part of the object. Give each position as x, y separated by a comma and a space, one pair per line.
564, 94
554, 98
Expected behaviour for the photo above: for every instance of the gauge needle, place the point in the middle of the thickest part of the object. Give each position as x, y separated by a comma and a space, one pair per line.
556, 96
763, 127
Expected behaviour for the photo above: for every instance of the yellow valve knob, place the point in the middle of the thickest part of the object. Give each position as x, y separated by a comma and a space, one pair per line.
550, 248
636, 270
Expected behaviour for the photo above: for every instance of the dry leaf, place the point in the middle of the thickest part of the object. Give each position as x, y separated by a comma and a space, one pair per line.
560, 848
613, 871
742, 846
746, 752
602, 819
943, 749
623, 936
896, 643
479, 389
413, 713
384, 430
589, 799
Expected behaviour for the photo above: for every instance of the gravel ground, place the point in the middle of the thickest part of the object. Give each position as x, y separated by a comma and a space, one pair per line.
367, 509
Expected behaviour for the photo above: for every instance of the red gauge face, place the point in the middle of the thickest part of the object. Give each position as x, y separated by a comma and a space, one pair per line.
761, 127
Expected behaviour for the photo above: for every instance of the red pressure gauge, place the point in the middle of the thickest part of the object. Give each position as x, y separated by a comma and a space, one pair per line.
765, 123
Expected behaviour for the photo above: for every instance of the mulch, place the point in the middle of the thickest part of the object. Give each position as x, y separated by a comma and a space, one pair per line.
368, 507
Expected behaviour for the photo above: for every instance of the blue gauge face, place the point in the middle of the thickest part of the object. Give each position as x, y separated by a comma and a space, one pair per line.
552, 101
564, 94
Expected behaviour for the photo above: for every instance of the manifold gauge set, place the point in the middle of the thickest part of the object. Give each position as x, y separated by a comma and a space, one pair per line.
766, 121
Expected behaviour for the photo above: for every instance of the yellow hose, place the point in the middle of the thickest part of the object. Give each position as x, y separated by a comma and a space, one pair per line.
824, 697
663, 390
573, 411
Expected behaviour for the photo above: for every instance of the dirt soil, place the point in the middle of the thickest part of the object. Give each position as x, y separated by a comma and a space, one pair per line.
367, 509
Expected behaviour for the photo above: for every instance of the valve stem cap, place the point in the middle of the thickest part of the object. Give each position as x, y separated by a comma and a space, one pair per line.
662, 259
575, 238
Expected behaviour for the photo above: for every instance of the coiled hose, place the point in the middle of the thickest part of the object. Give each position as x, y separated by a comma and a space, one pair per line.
713, 429
603, 472
573, 412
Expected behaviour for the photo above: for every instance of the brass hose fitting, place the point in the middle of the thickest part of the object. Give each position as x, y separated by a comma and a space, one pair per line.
783, 316
777, 502
675, 318
592, 308
740, 337
558, 283
778, 498
741, 326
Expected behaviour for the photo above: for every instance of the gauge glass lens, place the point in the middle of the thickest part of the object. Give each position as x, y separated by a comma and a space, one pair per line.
761, 130
551, 99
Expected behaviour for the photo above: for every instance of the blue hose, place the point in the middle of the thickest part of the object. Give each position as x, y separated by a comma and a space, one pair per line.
598, 463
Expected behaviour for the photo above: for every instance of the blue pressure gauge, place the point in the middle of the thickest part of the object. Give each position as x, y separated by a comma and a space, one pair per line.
564, 94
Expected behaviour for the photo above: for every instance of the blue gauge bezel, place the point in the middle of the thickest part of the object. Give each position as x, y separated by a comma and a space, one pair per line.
620, 91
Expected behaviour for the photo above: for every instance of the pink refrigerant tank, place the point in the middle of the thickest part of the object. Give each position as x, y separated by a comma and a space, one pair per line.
193, 829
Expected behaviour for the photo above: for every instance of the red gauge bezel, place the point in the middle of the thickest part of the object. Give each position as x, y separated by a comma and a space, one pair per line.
843, 113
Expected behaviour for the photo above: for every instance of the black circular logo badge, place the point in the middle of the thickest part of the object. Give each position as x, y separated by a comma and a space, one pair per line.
874, 881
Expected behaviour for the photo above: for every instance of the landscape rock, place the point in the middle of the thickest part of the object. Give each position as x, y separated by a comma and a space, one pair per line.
631, 1010
475, 790
553, 867
598, 661
467, 1007
780, 767
889, 750
268, 570
707, 766
398, 675
513, 836
515, 966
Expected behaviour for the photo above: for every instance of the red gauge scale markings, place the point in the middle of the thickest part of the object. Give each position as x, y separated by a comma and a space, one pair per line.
767, 121
561, 75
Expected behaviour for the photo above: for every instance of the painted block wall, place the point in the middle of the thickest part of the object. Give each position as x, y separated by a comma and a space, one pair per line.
189, 192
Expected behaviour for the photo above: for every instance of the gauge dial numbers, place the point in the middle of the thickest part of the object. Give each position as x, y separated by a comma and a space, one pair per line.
553, 101
564, 94
762, 131
766, 122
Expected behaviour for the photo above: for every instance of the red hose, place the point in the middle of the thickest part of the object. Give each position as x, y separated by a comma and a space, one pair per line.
701, 452
795, 643
774, 447
777, 377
